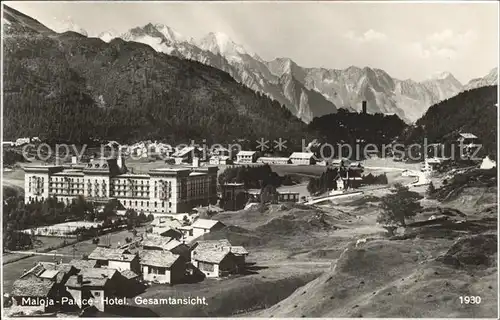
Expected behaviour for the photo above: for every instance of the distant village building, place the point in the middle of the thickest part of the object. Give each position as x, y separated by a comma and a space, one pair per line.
187, 154
246, 156
163, 267
431, 164
233, 196
282, 195
302, 158
22, 141
161, 190
273, 160
488, 163
202, 226
288, 196
469, 144
220, 160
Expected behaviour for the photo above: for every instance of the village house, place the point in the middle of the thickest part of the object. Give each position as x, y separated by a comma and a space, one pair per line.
154, 242
163, 225
469, 144
274, 160
302, 158
53, 271
187, 232
187, 154
220, 151
246, 156
95, 284
214, 261
238, 253
220, 160
83, 264
118, 259
37, 291
163, 266
431, 164
202, 226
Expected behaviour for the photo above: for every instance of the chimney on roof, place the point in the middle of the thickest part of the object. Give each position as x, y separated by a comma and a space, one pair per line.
363, 106
79, 279
196, 162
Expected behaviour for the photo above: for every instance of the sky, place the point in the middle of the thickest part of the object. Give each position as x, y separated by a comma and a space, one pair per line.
407, 40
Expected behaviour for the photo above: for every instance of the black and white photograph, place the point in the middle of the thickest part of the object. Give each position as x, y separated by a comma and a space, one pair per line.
249, 159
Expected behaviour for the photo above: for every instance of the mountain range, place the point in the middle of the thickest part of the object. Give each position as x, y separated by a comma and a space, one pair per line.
71, 88
306, 92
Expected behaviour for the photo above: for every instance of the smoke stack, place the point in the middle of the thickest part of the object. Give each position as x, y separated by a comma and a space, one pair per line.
364, 106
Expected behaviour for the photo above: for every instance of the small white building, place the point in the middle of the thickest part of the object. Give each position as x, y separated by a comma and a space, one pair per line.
202, 226
224, 160
302, 158
246, 156
22, 141
488, 163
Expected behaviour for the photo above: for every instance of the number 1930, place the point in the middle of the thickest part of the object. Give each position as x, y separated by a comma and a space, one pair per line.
470, 299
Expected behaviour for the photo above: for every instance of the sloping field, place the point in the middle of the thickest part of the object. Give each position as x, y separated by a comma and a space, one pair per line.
410, 278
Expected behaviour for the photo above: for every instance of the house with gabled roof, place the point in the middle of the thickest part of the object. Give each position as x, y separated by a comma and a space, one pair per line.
94, 284
239, 252
202, 226
302, 158
115, 258
214, 261
30, 291
246, 156
163, 266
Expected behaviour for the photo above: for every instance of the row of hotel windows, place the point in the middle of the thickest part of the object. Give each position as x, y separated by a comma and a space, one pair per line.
136, 203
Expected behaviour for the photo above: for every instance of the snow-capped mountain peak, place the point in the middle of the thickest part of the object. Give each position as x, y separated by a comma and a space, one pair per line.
440, 75
171, 34
221, 43
65, 25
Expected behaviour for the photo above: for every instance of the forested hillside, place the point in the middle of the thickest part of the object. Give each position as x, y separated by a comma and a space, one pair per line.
473, 111
349, 127
67, 87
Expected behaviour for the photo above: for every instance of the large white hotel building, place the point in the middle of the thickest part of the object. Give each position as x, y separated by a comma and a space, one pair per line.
163, 190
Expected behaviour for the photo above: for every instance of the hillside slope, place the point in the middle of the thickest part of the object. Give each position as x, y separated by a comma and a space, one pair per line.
410, 278
67, 87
